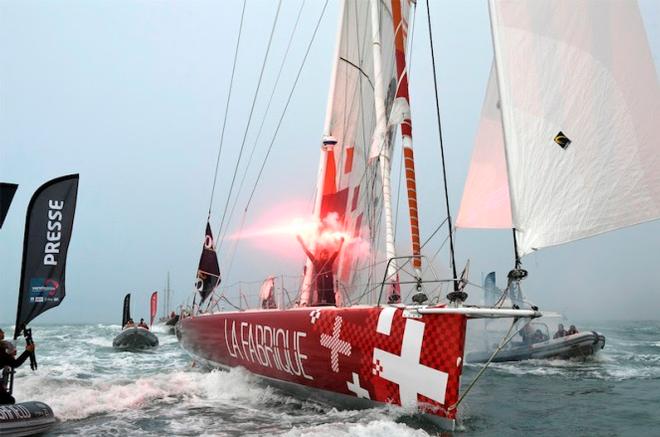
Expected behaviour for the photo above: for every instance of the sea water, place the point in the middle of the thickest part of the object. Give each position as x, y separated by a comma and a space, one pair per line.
95, 390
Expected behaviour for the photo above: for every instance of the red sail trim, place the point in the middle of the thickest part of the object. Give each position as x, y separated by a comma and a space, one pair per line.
358, 226
356, 196
348, 165
335, 202
330, 177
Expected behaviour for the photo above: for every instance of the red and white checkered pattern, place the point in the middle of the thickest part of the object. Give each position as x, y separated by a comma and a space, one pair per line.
350, 341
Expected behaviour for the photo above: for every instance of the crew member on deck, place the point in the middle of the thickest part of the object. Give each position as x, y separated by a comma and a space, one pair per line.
325, 279
129, 324
143, 325
9, 362
572, 330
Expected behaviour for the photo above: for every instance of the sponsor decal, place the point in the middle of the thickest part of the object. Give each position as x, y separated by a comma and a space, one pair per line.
562, 140
275, 348
54, 232
44, 290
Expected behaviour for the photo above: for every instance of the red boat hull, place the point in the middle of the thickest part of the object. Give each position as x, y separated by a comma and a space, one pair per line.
375, 353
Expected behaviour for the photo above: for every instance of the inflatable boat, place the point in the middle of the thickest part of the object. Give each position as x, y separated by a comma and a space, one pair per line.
26, 418
578, 345
135, 338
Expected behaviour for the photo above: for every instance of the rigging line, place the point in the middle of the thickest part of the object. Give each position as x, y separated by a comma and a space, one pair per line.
363, 183
263, 120
412, 39
507, 338
235, 248
433, 233
223, 297
270, 147
247, 127
424, 244
437, 252
224, 121
442, 149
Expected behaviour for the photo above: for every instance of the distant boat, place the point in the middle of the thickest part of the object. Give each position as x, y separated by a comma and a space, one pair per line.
534, 340
580, 345
169, 318
49, 224
133, 337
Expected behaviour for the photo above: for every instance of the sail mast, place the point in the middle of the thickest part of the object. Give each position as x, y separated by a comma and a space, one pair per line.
380, 135
402, 103
327, 143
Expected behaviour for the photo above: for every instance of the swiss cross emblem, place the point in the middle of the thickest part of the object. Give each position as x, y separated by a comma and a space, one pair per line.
336, 344
412, 377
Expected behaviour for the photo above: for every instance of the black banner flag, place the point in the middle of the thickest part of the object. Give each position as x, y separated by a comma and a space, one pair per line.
48, 228
126, 314
208, 273
7, 192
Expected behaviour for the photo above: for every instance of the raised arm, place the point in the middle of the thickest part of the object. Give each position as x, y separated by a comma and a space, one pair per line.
307, 252
334, 257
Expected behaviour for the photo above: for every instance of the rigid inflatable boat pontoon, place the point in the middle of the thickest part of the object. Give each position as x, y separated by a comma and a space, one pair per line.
580, 345
135, 338
26, 418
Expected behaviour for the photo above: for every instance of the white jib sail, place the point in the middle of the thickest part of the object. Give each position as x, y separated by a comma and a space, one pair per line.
485, 203
580, 108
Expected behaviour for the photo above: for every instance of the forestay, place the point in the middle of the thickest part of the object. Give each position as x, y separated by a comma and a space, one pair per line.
580, 101
350, 184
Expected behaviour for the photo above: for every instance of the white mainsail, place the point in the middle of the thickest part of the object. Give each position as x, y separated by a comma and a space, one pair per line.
357, 142
580, 103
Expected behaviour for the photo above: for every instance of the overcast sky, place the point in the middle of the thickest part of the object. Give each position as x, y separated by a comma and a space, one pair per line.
131, 95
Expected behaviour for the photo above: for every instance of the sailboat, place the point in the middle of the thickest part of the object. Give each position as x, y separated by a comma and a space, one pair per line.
567, 145
48, 230
135, 337
169, 317
354, 336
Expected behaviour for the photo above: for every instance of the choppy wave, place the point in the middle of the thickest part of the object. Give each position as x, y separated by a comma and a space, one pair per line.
95, 390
